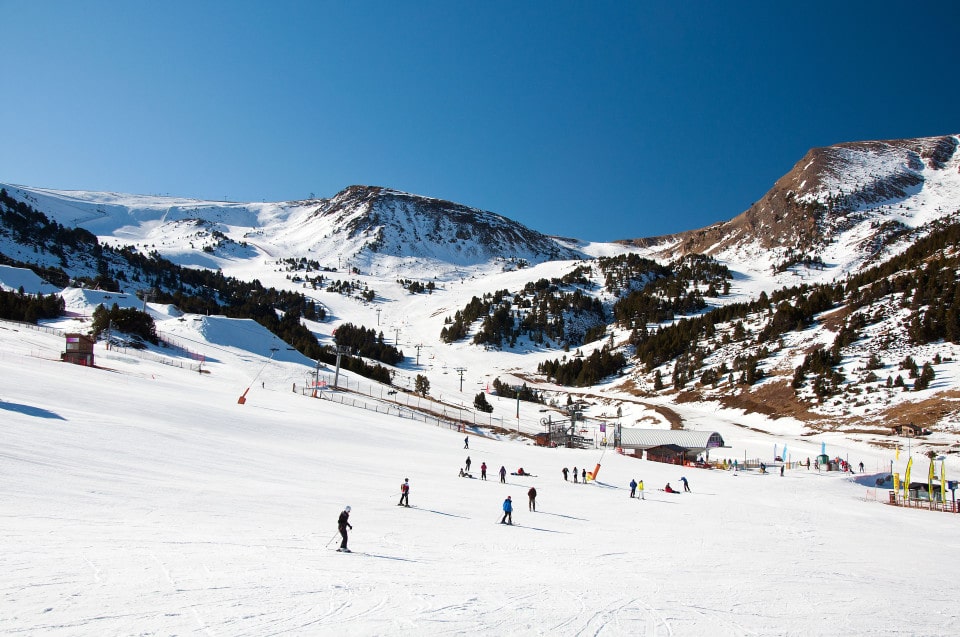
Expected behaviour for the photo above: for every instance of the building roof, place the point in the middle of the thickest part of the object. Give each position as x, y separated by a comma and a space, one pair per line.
648, 438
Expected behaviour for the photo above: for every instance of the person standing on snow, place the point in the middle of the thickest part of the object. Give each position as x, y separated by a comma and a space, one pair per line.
507, 511
583, 475
633, 488
343, 522
466, 442
532, 494
640, 488
468, 464
565, 473
686, 486
503, 474
575, 474
404, 493
483, 471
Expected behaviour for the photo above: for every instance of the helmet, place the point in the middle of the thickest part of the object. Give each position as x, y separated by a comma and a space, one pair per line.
347, 508
508, 497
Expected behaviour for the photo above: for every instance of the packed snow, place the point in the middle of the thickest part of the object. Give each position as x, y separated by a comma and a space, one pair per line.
143, 498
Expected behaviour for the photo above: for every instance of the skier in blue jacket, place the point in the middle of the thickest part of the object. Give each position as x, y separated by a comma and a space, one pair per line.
507, 511
633, 488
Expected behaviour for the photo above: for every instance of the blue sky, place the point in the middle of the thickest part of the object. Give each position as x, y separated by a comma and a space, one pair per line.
596, 120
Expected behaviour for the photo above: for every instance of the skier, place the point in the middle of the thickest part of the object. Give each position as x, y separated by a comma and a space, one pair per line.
343, 522
532, 494
404, 493
503, 474
633, 488
861, 466
575, 475
483, 471
640, 488
507, 511
466, 442
670, 489
468, 464
583, 475
781, 471
686, 487
565, 473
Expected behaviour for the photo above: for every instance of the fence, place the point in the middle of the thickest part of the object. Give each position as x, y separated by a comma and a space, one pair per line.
357, 401
37, 328
920, 500
147, 355
461, 414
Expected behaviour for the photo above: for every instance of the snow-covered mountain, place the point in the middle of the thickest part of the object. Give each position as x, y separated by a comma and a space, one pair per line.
369, 228
841, 207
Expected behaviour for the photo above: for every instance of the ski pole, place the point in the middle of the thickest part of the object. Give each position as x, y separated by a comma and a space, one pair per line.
327, 545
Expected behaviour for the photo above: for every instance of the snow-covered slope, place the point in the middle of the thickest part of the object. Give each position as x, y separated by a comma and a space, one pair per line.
142, 498
15, 279
369, 228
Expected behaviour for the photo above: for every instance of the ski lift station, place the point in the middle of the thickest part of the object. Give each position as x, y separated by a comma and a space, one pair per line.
672, 446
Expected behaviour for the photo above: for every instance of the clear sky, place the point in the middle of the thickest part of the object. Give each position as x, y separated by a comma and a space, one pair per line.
597, 120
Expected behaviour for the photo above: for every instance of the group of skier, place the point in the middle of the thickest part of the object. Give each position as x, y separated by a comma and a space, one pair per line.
582, 475
343, 522
465, 472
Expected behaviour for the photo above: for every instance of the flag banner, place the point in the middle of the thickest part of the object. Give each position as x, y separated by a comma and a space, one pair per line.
943, 481
906, 480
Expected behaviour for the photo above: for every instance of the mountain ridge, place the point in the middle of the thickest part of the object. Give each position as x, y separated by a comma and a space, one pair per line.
830, 191
839, 211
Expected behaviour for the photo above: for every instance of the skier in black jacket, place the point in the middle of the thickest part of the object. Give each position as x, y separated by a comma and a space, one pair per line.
343, 523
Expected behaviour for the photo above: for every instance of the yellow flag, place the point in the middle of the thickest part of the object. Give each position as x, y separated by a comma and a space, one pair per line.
896, 483
898, 451
906, 480
930, 481
943, 482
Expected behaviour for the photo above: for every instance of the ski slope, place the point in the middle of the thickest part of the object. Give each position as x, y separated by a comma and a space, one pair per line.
141, 498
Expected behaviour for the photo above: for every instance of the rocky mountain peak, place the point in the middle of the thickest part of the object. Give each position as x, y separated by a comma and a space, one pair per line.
399, 224
876, 187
